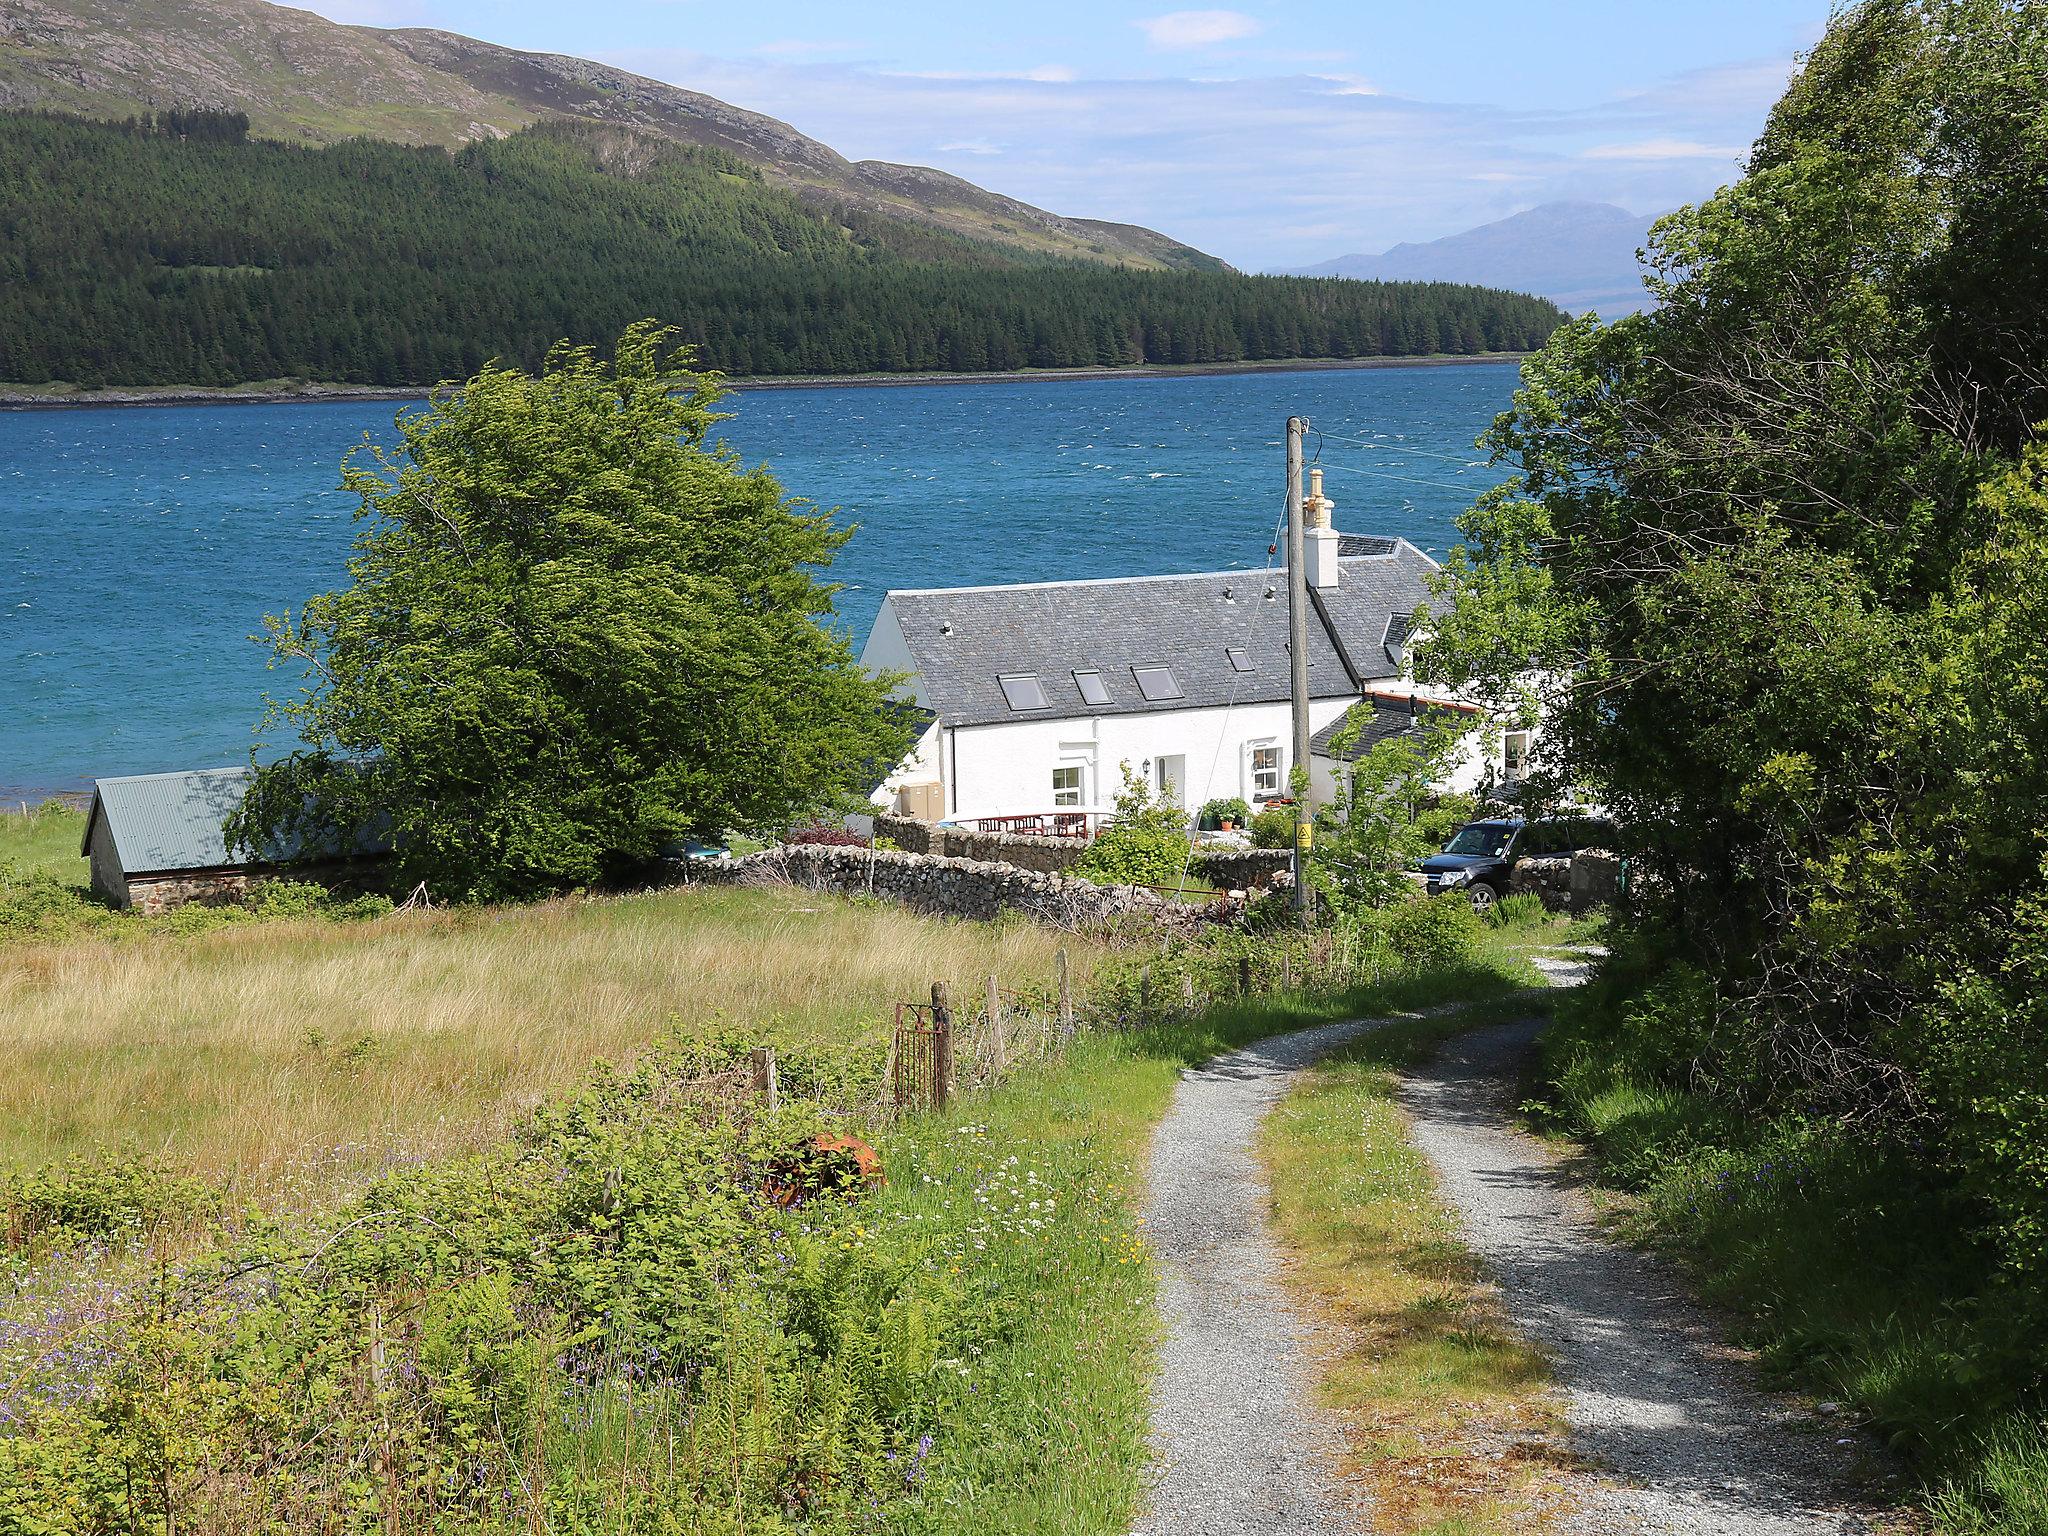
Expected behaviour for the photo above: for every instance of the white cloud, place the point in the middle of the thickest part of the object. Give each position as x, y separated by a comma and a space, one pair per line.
1664, 149
1270, 171
1050, 74
1196, 29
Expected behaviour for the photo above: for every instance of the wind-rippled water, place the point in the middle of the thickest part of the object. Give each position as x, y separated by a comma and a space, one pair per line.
143, 546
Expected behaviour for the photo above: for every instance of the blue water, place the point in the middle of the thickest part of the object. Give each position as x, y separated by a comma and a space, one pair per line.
142, 547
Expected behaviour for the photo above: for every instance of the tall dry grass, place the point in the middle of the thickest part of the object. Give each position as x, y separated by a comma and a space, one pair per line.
293, 1058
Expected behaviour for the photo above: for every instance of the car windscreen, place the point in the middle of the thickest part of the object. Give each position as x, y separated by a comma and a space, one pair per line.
1490, 842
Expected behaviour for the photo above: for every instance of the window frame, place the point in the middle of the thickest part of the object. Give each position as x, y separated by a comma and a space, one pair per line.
1509, 767
1253, 773
1003, 681
1138, 672
1080, 787
1239, 658
1093, 674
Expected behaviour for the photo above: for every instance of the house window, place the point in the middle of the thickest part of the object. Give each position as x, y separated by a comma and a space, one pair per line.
1239, 661
1024, 691
1092, 689
1066, 784
1265, 770
1157, 683
1515, 754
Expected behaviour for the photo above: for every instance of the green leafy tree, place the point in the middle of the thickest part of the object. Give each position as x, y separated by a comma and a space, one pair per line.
1784, 541
1145, 843
1377, 825
575, 634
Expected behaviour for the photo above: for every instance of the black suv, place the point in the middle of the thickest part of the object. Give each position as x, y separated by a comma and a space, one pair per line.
1477, 860
1481, 855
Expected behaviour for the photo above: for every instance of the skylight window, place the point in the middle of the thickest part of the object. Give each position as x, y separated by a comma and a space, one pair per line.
1157, 683
1239, 661
1023, 691
1093, 689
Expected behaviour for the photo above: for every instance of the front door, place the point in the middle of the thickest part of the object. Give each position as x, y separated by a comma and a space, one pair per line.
1173, 773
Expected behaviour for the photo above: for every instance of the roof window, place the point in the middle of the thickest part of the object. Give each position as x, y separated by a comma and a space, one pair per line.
1157, 683
1023, 690
1239, 660
1093, 689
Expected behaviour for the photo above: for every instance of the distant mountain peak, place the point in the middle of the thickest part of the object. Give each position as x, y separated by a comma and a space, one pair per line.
1578, 254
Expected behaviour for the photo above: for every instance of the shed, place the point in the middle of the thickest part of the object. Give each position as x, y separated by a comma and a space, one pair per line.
156, 840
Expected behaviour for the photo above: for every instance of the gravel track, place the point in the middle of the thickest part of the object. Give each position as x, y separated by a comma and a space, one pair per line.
1678, 1436
1238, 1443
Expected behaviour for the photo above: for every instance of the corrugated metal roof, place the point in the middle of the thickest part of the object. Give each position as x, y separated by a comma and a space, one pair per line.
164, 822
170, 821
964, 639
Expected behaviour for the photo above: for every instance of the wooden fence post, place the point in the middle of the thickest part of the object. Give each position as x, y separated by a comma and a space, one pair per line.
1066, 994
1287, 966
1244, 975
998, 1051
765, 1080
942, 1046
1187, 991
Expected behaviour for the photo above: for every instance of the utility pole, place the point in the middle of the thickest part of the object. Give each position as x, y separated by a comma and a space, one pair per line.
1297, 657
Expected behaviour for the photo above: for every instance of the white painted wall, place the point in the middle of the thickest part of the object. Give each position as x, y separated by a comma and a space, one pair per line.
1006, 769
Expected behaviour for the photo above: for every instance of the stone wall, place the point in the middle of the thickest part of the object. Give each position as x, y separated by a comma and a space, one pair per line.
1548, 878
948, 887
1596, 879
1239, 869
154, 895
1047, 855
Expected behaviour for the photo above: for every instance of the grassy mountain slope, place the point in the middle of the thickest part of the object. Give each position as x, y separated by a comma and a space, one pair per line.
304, 79
202, 257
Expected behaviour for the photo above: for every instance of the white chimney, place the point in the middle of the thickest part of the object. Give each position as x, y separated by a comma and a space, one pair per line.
1320, 559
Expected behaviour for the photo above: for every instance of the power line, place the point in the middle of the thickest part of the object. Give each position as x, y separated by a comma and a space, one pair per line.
1421, 453
1379, 474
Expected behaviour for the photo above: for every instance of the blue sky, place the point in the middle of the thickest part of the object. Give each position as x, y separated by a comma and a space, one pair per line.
1274, 133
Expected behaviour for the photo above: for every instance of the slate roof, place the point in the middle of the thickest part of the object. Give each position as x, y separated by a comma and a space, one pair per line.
168, 822
1387, 719
962, 639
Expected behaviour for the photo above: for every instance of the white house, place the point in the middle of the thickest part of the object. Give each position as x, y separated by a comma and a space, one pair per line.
1035, 695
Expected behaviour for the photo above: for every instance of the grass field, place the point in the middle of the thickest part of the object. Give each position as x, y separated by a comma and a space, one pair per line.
45, 841
296, 1051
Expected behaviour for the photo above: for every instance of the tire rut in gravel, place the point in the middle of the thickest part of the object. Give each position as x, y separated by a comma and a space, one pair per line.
1239, 1446
1677, 1433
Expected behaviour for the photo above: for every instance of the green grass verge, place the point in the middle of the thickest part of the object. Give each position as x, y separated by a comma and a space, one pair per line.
1442, 1401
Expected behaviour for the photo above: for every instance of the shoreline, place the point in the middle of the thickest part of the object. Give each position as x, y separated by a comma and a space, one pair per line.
16, 398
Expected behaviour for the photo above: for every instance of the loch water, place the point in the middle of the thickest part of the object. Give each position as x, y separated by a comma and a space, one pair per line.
141, 547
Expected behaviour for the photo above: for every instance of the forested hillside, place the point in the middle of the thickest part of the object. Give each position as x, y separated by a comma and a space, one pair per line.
156, 253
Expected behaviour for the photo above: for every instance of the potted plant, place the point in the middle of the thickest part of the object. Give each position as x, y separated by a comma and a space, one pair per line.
1226, 814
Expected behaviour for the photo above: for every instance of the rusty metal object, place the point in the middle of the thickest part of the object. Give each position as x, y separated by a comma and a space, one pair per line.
825, 1165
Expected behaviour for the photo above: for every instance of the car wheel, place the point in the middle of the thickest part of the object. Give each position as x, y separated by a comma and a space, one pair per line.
1481, 896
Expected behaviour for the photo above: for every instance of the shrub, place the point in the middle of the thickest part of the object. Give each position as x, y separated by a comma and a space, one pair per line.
1524, 909
1435, 934
1146, 844
103, 1196
1273, 827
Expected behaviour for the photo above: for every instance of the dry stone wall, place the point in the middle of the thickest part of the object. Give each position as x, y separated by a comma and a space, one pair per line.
1047, 855
945, 886
1239, 869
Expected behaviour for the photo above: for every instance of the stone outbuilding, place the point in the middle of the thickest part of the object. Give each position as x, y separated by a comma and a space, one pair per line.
156, 840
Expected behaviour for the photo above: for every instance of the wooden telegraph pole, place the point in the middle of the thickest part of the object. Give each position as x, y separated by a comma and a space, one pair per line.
1297, 657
